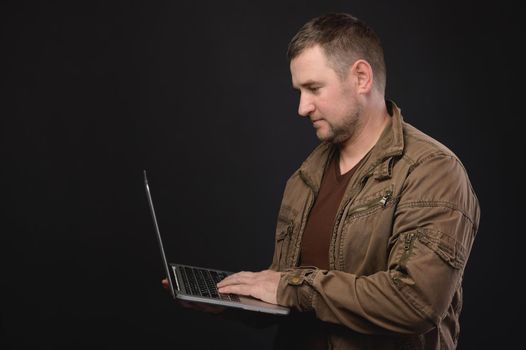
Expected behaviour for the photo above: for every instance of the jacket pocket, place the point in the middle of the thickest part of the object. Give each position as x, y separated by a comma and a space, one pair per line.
445, 246
371, 203
365, 233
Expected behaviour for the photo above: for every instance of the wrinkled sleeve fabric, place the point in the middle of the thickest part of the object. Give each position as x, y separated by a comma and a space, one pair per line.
434, 226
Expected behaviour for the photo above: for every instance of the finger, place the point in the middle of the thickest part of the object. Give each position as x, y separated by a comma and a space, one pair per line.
240, 289
165, 284
230, 278
237, 278
241, 274
245, 274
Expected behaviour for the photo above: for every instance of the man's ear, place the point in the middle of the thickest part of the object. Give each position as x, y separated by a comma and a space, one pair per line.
363, 76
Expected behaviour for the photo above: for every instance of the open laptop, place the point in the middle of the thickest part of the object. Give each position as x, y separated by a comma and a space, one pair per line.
198, 284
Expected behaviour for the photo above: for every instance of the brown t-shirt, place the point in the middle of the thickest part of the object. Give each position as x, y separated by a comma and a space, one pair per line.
317, 235
320, 224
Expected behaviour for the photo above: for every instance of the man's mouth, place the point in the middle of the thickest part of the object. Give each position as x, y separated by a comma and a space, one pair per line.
316, 122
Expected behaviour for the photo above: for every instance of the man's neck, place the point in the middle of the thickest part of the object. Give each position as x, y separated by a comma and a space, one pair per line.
374, 118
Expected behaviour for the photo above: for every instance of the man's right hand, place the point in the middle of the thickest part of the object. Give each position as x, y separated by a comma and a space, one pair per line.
213, 309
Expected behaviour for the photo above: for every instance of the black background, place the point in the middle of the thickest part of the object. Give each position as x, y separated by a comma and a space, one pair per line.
199, 94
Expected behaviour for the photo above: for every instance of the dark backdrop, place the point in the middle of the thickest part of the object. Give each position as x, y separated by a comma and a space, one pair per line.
199, 94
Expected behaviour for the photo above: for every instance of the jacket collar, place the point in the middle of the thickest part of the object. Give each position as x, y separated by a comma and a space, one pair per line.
389, 145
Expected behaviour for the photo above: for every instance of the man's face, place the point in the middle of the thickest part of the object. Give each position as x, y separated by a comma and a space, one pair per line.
329, 102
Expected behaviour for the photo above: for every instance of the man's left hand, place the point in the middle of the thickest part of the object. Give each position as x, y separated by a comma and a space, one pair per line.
261, 285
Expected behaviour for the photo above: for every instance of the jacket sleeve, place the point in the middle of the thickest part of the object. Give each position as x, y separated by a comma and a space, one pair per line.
434, 226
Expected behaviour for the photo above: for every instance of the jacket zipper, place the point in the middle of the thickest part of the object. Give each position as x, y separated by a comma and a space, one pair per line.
339, 223
408, 247
382, 201
301, 228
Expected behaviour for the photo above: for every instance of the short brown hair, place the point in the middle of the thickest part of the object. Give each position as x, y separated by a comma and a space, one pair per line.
344, 39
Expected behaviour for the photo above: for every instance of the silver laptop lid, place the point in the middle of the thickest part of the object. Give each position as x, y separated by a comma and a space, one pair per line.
169, 272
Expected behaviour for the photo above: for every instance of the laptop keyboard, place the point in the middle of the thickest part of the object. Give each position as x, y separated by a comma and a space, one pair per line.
203, 282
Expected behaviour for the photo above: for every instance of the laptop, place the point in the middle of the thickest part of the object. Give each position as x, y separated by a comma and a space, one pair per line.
198, 284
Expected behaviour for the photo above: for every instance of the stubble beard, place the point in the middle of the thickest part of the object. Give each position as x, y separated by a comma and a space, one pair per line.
343, 131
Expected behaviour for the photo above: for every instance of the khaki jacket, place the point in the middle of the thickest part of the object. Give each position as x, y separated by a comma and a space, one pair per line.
402, 237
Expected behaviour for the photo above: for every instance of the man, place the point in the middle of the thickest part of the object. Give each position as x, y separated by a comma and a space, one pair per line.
376, 226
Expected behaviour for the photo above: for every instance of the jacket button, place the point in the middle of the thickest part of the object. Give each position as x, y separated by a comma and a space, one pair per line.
295, 280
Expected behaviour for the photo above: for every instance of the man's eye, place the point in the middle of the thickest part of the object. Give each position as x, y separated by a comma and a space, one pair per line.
314, 88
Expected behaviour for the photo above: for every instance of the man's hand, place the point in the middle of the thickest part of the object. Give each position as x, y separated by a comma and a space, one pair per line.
261, 285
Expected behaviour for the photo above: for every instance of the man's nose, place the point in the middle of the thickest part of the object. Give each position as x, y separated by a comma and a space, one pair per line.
306, 106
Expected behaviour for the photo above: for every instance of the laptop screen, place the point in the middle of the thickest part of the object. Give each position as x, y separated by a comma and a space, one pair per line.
156, 225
